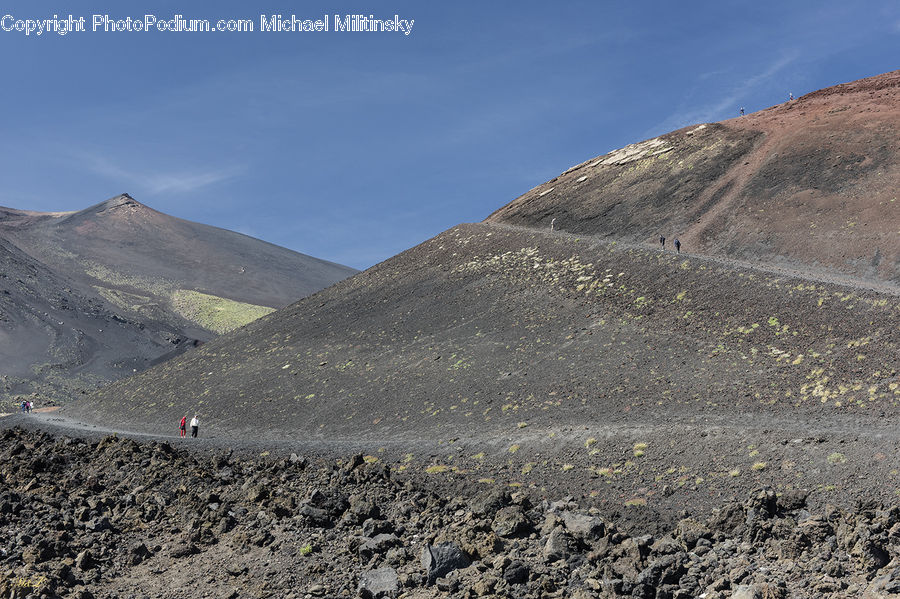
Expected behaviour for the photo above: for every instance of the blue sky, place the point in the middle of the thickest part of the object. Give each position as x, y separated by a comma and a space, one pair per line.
355, 146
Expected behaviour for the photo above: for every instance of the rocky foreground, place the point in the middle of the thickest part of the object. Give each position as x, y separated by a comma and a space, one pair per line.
117, 518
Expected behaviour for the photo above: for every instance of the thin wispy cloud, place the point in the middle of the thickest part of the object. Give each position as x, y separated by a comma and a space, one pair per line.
715, 73
184, 182
155, 182
726, 105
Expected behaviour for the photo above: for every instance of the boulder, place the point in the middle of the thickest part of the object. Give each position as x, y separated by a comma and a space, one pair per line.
509, 521
372, 527
354, 462
516, 573
815, 529
584, 526
488, 502
761, 506
316, 516
361, 509
559, 546
84, 561
317, 590
664, 570
379, 583
727, 518
745, 591
377, 545
665, 546
791, 500
690, 531
871, 554
257, 493
137, 553
441, 559
98, 524
636, 548
485, 586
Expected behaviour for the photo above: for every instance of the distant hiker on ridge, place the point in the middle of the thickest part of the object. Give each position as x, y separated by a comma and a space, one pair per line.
677, 245
742, 111
182, 427
195, 424
662, 242
790, 96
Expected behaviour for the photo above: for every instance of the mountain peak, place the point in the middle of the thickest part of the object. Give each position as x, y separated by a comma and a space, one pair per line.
122, 207
123, 199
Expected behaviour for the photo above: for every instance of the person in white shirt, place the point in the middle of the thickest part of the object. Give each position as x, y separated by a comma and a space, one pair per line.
195, 424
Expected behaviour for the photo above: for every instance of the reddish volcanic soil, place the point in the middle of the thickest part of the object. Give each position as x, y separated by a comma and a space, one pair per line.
811, 183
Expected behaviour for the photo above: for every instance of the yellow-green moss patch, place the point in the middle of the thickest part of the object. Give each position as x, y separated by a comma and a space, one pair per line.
214, 313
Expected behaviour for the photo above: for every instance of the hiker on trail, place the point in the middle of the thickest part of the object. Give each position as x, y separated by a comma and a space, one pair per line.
183, 426
195, 424
790, 97
677, 245
552, 224
662, 242
742, 111
24, 406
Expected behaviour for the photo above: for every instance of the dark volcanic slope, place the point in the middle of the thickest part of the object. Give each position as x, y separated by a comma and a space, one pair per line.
812, 182
55, 340
508, 339
483, 326
92, 295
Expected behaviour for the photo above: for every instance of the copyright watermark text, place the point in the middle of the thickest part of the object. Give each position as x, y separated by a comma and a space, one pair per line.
270, 23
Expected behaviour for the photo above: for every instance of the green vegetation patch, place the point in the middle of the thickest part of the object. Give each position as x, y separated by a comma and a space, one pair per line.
215, 313
158, 287
836, 458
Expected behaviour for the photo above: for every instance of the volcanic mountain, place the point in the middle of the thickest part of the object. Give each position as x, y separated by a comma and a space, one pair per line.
92, 295
811, 183
589, 358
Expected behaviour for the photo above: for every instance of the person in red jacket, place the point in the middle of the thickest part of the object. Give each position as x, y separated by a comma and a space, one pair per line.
183, 426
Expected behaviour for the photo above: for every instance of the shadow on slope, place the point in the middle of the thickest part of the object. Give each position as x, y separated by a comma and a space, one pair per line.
57, 341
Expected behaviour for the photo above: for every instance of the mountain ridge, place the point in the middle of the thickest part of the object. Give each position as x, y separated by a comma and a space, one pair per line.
169, 282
